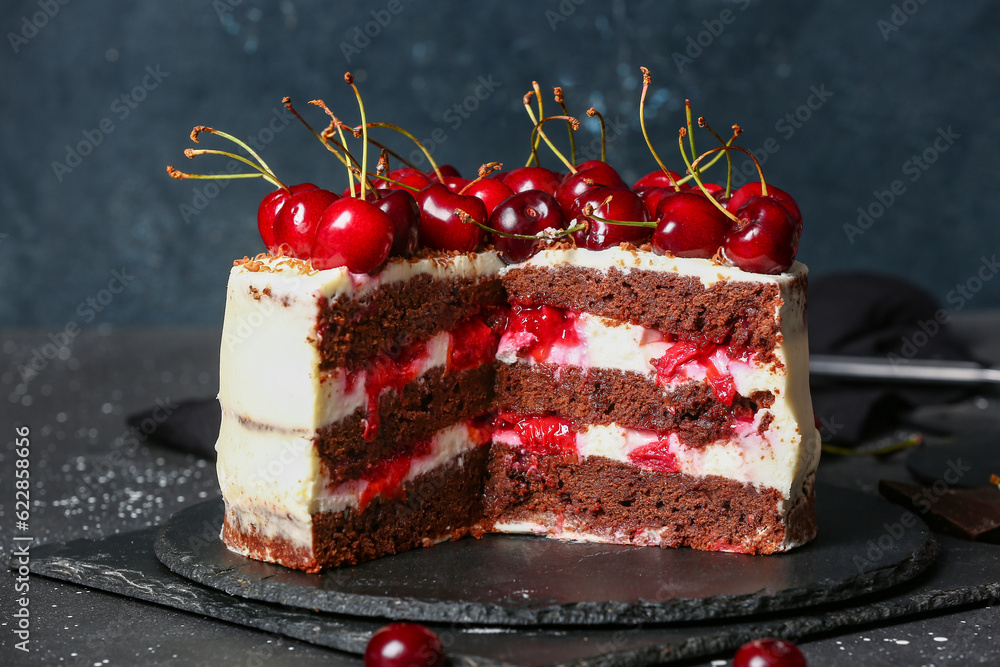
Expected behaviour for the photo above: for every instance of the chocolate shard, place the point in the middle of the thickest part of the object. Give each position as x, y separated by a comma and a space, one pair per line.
971, 514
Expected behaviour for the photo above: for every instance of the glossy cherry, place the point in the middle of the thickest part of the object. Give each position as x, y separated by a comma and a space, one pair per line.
769, 653
441, 228
532, 178
402, 209
574, 185
766, 238
689, 225
456, 183
624, 205
446, 170
413, 178
491, 191
651, 196
268, 210
656, 179
753, 189
604, 169
404, 645
525, 213
295, 224
352, 233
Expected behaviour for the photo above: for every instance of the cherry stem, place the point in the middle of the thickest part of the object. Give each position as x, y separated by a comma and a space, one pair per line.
526, 100
383, 162
191, 152
995, 480
427, 153
484, 171
561, 99
697, 177
402, 185
202, 128
588, 211
574, 124
335, 123
540, 236
594, 112
287, 102
392, 153
729, 158
737, 131
690, 128
180, 175
646, 80
760, 172
349, 79
541, 110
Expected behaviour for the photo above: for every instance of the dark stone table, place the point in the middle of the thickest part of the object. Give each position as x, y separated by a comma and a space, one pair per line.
83, 484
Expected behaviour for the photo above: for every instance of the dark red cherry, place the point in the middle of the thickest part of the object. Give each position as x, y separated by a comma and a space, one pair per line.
576, 184
651, 196
525, 213
447, 171
656, 179
624, 205
440, 228
689, 226
404, 645
743, 195
769, 653
414, 178
268, 210
295, 224
352, 233
766, 238
402, 209
491, 191
603, 169
456, 183
532, 178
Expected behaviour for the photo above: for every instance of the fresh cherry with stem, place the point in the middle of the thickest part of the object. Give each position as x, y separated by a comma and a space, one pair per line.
525, 214
404, 645
611, 216
769, 652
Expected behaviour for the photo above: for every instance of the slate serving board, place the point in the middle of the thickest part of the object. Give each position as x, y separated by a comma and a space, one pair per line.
964, 574
525, 580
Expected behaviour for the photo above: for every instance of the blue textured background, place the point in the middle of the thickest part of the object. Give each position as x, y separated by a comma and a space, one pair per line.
227, 63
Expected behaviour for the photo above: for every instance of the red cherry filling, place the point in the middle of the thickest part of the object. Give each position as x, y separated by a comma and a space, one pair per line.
766, 239
269, 208
689, 226
352, 233
537, 329
545, 435
472, 344
769, 653
624, 205
404, 645
296, 222
525, 213
441, 228
532, 178
655, 456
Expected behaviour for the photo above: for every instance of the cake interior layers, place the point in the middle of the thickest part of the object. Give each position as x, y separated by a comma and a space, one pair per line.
282, 508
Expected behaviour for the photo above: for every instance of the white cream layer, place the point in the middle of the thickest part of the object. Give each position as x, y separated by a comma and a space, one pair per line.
276, 483
270, 366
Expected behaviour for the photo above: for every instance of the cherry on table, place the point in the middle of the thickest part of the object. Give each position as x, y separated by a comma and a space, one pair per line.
689, 226
524, 213
441, 228
404, 645
769, 652
352, 233
295, 223
766, 238
269, 208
